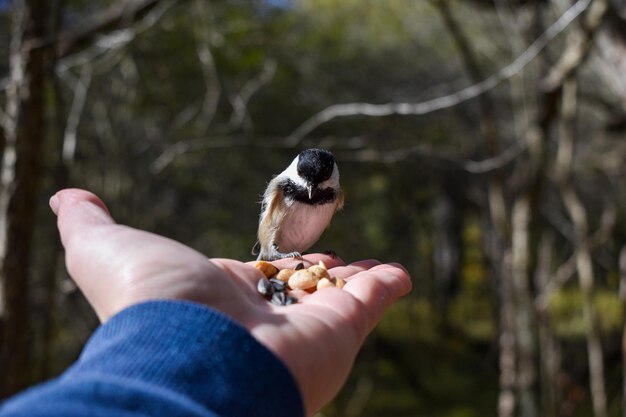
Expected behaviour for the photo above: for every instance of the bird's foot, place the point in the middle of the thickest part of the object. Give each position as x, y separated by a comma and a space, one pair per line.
330, 253
275, 254
295, 255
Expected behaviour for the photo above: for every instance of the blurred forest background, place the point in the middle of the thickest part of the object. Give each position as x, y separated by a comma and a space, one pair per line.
480, 143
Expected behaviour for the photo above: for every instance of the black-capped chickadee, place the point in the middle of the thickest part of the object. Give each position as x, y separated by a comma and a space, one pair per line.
298, 206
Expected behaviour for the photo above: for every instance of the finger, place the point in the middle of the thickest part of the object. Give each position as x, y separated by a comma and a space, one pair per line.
286, 263
308, 260
347, 271
80, 215
291, 263
77, 212
328, 260
372, 288
378, 288
352, 311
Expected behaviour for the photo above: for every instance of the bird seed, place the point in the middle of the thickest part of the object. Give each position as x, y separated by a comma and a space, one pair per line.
276, 284
265, 287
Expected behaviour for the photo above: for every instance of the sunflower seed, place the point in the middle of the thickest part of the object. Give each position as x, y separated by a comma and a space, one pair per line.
278, 285
279, 299
264, 287
299, 266
290, 300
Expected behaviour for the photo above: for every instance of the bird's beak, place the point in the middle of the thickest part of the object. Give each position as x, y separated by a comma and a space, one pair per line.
310, 189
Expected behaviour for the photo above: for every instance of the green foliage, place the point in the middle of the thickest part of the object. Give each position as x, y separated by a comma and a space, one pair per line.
566, 309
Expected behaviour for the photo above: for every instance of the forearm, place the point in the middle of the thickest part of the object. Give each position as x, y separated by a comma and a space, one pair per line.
167, 358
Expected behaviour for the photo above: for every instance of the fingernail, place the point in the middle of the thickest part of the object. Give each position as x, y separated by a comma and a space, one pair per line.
54, 203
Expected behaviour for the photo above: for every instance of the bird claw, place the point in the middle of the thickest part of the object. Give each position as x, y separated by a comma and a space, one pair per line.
330, 253
276, 254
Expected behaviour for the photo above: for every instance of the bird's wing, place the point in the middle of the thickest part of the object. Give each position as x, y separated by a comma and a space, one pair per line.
340, 201
272, 211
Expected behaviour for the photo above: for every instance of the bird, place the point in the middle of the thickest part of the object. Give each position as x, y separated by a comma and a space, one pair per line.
298, 205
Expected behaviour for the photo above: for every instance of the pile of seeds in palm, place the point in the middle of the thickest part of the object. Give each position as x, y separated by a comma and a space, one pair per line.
276, 284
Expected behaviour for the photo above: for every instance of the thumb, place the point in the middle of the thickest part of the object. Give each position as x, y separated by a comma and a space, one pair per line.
77, 212
83, 222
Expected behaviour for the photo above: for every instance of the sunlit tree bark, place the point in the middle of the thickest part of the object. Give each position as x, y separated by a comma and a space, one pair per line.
20, 178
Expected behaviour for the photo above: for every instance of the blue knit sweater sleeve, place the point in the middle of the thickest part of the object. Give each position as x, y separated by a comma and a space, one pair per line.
167, 358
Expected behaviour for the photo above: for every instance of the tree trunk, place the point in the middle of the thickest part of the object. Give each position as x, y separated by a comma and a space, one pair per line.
448, 245
578, 214
622, 274
517, 341
524, 319
20, 178
549, 355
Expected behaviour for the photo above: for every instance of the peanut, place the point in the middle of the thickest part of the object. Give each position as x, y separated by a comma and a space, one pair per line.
267, 268
310, 280
324, 282
284, 274
318, 271
339, 282
303, 279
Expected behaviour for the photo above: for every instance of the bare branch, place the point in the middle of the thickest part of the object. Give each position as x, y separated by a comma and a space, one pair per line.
584, 267
475, 167
504, 158
586, 278
447, 101
78, 105
396, 155
202, 19
102, 121
169, 154
117, 15
568, 268
578, 46
115, 40
194, 145
10, 115
223, 141
240, 101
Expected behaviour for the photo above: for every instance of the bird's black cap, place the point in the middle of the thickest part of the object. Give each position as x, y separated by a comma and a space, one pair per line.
315, 165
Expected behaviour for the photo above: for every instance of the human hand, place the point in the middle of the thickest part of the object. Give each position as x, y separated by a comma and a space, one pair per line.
116, 266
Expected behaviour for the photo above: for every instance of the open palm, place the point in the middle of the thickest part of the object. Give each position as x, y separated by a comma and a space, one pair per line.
116, 266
